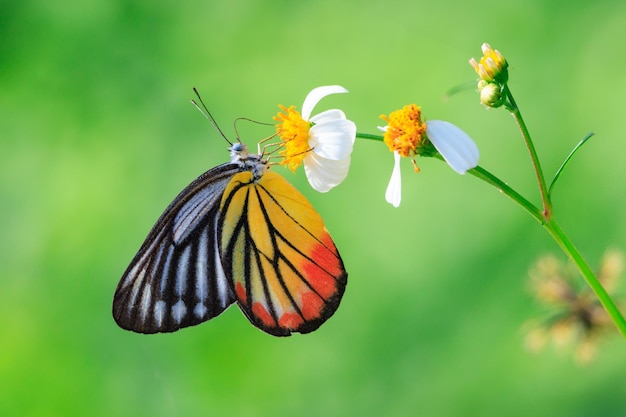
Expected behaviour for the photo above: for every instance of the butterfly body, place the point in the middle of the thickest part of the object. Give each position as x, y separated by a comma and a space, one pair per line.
238, 233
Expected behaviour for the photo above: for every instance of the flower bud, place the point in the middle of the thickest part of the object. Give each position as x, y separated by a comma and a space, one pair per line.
492, 66
490, 94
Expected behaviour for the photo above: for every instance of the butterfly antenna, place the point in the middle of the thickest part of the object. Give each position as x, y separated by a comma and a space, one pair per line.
247, 120
206, 113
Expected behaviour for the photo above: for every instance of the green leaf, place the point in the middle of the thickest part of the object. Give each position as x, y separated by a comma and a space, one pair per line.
459, 88
567, 160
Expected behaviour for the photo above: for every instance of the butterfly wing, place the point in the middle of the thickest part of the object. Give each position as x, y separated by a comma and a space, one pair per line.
176, 279
286, 272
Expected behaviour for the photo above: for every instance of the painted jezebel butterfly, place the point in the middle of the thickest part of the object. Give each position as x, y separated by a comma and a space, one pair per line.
238, 233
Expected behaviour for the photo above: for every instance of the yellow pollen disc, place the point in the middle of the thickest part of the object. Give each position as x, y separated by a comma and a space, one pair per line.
294, 132
405, 131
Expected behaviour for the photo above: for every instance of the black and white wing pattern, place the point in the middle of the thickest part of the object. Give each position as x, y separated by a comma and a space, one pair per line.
176, 279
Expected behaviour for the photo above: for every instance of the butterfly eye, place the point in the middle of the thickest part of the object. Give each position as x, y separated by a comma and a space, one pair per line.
238, 147
238, 151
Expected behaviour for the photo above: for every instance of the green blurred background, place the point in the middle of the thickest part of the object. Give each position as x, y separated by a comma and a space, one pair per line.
97, 136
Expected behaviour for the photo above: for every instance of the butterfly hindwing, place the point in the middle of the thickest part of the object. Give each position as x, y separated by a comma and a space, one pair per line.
176, 279
278, 256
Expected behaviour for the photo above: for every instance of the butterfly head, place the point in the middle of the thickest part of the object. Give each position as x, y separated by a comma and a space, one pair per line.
248, 162
238, 152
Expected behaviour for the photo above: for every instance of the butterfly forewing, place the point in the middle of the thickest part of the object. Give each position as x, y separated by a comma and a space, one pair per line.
282, 263
176, 279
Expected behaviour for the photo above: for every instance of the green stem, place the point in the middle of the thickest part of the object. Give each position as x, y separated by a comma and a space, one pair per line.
568, 247
368, 136
491, 179
543, 189
562, 240
545, 219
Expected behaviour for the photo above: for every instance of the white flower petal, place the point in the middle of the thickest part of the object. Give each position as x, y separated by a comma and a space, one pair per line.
333, 140
456, 147
327, 116
393, 195
324, 174
316, 95
383, 128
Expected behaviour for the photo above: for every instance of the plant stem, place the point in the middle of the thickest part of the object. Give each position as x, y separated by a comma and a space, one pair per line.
568, 247
369, 136
489, 178
544, 218
543, 190
562, 240
547, 220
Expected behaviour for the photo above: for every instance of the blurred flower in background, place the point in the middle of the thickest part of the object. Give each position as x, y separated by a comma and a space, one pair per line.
573, 316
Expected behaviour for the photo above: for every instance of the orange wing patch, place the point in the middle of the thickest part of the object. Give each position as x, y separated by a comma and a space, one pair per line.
286, 271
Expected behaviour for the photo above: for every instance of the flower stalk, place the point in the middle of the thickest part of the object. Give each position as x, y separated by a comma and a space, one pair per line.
543, 189
492, 70
555, 231
550, 225
568, 247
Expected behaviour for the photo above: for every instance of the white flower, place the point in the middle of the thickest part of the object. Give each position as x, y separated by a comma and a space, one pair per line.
322, 142
454, 145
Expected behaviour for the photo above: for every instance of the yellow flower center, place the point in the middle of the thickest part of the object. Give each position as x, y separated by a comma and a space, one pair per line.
294, 133
405, 131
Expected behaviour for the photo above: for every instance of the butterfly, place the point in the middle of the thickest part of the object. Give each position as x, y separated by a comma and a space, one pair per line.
238, 233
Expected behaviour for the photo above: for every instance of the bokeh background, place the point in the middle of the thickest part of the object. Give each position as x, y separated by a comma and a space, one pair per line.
97, 135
